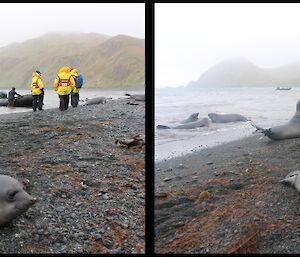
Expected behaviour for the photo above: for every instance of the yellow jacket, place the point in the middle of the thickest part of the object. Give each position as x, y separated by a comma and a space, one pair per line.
64, 83
36, 84
74, 75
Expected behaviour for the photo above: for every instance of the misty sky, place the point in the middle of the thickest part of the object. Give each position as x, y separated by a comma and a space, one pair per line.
22, 21
192, 37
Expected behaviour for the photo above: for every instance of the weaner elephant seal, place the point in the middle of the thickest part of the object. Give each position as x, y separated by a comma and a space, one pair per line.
13, 199
137, 97
196, 124
224, 118
21, 101
292, 179
96, 100
289, 130
191, 118
24, 101
3, 94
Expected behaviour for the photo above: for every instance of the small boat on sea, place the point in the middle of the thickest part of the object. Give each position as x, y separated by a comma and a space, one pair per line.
283, 88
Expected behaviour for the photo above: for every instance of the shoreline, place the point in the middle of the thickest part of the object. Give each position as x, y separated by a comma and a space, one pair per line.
90, 190
228, 199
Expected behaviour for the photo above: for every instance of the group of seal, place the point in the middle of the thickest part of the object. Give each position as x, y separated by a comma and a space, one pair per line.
194, 122
14, 200
286, 131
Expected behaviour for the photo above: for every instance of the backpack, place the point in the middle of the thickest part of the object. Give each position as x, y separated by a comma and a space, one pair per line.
79, 81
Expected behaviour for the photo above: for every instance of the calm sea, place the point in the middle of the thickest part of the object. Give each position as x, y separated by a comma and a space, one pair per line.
266, 107
51, 99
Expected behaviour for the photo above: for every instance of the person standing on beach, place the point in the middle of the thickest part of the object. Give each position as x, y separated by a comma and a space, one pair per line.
37, 91
11, 96
75, 92
63, 84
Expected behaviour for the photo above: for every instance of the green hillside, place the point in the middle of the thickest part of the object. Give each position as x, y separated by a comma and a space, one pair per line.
104, 61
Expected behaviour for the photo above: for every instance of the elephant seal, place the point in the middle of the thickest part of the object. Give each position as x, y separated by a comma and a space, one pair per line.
137, 97
191, 118
224, 118
196, 124
292, 179
3, 94
286, 131
3, 102
14, 200
24, 101
96, 100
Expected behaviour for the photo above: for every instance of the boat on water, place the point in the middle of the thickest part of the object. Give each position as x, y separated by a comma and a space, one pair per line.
283, 88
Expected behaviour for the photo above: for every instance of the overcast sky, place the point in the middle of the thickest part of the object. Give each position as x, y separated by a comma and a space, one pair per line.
22, 21
191, 37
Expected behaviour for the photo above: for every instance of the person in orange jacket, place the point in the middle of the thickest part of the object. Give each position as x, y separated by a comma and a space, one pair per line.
37, 88
64, 83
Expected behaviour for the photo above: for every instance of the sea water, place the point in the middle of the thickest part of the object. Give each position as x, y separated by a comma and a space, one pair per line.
266, 107
51, 99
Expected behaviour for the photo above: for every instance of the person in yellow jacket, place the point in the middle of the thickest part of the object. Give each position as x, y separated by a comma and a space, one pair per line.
37, 88
63, 84
75, 93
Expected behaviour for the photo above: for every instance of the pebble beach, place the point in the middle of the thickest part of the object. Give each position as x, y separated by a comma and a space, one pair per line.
228, 199
86, 173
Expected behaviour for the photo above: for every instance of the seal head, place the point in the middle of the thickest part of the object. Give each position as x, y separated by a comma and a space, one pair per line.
14, 200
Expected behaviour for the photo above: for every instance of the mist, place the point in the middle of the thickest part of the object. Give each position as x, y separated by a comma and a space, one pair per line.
22, 21
192, 37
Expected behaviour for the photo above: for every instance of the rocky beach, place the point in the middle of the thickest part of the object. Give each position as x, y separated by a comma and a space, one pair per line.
86, 167
228, 199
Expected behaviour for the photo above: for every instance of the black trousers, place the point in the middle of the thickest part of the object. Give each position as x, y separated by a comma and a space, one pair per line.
64, 102
37, 102
75, 99
42, 97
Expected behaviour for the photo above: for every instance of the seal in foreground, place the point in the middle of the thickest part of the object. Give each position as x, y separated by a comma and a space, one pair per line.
14, 200
289, 130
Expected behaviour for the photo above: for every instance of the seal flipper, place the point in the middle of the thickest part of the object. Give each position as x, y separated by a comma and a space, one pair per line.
162, 127
288, 181
290, 178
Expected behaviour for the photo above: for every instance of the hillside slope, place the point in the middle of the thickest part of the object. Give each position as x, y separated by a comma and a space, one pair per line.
104, 61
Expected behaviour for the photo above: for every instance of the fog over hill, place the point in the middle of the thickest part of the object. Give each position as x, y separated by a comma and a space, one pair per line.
104, 61
241, 72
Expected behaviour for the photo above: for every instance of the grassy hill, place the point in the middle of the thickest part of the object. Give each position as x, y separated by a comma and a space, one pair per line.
104, 61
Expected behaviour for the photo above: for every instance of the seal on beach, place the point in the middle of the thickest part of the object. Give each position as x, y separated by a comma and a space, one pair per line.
191, 118
14, 200
96, 100
196, 124
21, 101
292, 179
286, 131
224, 118
137, 97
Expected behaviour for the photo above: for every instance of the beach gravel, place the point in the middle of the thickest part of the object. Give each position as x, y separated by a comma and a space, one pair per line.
228, 199
90, 189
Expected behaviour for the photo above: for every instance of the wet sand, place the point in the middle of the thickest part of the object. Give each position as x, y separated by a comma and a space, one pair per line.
228, 199
90, 187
